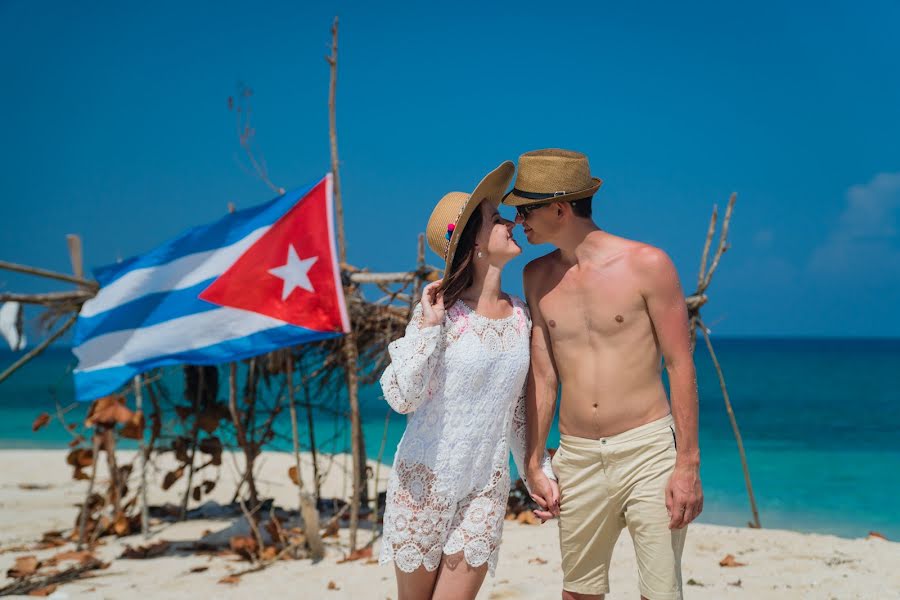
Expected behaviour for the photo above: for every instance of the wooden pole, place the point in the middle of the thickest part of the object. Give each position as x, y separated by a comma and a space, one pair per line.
49, 274
307, 506
39, 348
350, 348
142, 493
115, 484
82, 527
420, 269
734, 426
47, 297
310, 423
240, 433
374, 515
195, 435
73, 241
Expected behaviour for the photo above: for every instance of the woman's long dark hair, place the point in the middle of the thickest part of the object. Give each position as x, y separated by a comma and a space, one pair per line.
462, 270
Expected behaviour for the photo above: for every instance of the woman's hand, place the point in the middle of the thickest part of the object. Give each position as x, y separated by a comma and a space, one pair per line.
432, 305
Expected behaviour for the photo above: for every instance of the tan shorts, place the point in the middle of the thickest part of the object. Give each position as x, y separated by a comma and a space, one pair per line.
613, 483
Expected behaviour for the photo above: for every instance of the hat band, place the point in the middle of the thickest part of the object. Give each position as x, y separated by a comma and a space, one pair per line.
536, 195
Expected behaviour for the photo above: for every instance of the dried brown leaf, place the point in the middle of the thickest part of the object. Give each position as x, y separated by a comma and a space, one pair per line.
357, 554
122, 526
171, 477
273, 526
80, 457
52, 539
108, 410
24, 566
82, 556
44, 591
537, 560
243, 545
210, 445
333, 586
199, 569
180, 447
292, 473
527, 517
208, 421
134, 428
729, 561
41, 420
269, 553
874, 535
35, 486
331, 529
230, 579
149, 551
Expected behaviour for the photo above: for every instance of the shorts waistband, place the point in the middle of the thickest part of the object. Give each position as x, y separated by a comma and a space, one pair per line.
647, 429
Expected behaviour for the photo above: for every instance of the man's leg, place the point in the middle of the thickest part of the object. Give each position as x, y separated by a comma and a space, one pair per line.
590, 520
576, 596
658, 548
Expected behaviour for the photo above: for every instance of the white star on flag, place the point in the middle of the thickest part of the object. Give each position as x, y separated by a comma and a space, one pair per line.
295, 272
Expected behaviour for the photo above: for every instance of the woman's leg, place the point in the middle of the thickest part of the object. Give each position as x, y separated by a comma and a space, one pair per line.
417, 585
457, 580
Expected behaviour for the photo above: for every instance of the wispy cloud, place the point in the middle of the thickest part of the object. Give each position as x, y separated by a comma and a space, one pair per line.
865, 240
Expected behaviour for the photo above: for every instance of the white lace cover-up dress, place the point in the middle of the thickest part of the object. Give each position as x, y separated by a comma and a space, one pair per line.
462, 384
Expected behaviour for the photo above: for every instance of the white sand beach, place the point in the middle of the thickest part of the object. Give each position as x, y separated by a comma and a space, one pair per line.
37, 494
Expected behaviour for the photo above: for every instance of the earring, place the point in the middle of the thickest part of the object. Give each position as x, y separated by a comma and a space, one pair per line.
480, 254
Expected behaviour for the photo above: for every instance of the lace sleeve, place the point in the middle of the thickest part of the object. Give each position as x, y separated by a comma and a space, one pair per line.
517, 441
413, 359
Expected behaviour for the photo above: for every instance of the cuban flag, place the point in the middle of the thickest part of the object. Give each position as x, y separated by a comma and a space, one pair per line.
256, 280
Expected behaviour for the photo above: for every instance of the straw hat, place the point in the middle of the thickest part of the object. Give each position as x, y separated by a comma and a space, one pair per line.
449, 218
552, 175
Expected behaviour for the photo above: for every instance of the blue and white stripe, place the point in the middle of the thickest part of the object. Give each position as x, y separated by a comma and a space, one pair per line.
148, 314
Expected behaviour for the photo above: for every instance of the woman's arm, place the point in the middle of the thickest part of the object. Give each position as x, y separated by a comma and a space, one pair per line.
406, 381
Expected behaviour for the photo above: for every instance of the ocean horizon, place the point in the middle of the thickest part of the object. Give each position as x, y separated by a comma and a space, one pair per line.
819, 418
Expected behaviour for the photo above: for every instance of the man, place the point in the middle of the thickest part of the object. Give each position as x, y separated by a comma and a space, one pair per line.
606, 313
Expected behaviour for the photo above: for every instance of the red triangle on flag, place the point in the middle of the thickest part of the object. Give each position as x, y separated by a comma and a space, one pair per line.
291, 272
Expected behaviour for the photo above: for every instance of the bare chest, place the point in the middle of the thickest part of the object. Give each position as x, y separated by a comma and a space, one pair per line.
594, 303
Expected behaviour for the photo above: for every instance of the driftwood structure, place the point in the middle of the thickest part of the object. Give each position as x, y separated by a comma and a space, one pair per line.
213, 418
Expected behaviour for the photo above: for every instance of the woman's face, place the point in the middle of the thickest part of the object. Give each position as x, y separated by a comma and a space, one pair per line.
495, 239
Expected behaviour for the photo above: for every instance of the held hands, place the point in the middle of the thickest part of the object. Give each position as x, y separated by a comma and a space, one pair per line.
432, 305
545, 492
684, 496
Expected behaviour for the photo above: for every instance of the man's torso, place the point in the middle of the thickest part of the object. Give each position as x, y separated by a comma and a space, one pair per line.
602, 338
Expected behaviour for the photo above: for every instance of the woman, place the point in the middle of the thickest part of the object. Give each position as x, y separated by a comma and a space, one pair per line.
459, 372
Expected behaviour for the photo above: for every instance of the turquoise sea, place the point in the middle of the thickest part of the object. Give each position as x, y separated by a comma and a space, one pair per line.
820, 419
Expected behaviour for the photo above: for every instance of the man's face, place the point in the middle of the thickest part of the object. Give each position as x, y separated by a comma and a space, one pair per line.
536, 221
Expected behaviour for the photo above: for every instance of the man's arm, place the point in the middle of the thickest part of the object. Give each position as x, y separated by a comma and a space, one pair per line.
668, 312
540, 397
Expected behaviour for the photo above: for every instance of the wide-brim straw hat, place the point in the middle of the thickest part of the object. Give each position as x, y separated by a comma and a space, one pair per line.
449, 217
552, 175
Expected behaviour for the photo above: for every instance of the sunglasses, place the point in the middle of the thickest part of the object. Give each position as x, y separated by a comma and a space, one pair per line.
526, 209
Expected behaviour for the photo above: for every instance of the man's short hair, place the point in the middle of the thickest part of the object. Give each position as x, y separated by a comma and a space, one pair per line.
582, 208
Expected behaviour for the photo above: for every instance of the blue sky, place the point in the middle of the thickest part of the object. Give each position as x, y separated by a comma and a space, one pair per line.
116, 127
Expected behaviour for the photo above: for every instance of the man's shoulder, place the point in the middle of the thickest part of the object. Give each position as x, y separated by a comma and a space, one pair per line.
647, 257
640, 253
652, 268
